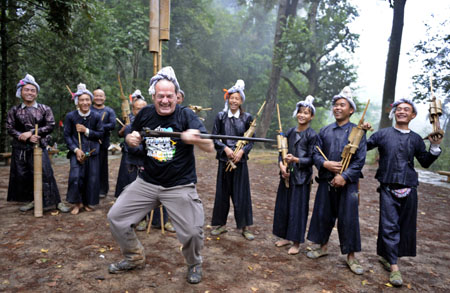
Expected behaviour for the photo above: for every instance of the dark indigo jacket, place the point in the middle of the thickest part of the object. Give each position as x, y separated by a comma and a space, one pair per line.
397, 152
332, 139
301, 145
231, 126
93, 122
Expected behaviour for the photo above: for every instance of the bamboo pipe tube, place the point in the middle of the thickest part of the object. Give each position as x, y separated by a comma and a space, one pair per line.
153, 45
37, 174
164, 20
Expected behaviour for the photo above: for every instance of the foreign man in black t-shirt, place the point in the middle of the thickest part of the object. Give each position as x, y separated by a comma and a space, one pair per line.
168, 178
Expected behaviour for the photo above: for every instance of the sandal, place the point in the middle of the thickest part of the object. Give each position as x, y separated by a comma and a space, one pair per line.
355, 267
219, 230
316, 253
248, 235
385, 263
395, 278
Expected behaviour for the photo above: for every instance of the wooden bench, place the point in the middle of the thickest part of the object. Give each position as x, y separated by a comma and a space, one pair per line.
6, 157
445, 173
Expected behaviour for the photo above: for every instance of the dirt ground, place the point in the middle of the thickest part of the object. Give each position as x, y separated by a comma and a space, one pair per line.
66, 253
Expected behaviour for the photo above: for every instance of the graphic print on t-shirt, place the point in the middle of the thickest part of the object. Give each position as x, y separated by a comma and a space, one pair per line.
160, 148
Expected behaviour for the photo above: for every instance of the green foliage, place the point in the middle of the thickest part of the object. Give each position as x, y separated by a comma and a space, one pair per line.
318, 45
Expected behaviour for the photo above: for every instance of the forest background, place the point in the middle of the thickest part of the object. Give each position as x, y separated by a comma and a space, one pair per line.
282, 49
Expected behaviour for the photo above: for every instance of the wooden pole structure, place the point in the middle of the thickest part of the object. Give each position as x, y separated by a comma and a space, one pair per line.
37, 157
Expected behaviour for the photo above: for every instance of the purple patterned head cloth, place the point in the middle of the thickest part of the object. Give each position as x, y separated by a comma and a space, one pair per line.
28, 79
401, 101
308, 102
81, 89
346, 93
165, 73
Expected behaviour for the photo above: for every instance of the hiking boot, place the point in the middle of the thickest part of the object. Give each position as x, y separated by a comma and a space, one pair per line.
62, 207
125, 265
395, 278
27, 207
169, 227
194, 274
142, 226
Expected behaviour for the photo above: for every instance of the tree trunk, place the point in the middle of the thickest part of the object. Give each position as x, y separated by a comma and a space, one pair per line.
393, 57
286, 8
4, 76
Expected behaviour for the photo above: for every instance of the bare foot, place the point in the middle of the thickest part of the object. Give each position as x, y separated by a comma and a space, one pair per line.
282, 242
76, 209
88, 208
295, 249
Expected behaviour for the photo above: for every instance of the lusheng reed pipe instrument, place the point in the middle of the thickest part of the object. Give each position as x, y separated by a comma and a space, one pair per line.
353, 141
242, 142
282, 146
435, 111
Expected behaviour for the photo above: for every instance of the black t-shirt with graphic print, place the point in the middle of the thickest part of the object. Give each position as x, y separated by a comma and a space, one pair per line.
168, 161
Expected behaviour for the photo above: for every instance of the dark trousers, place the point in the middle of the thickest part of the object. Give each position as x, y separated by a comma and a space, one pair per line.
340, 204
291, 211
21, 178
83, 181
234, 184
397, 226
103, 158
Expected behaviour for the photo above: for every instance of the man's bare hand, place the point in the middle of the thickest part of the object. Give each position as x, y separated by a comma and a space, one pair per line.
26, 135
435, 139
133, 139
192, 136
238, 156
333, 166
80, 155
35, 138
291, 159
229, 152
81, 128
366, 126
284, 173
338, 181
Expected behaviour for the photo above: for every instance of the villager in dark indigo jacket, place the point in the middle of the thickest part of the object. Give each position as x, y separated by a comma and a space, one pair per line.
398, 146
337, 194
234, 184
398, 216
84, 179
337, 203
292, 204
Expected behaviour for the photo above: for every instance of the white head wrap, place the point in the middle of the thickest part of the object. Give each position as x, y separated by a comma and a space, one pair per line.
401, 101
81, 89
308, 102
137, 95
28, 79
346, 93
237, 88
165, 73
